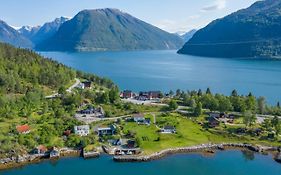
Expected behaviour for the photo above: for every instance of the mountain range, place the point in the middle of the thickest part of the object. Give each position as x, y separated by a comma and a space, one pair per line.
92, 30
12, 36
251, 32
40, 33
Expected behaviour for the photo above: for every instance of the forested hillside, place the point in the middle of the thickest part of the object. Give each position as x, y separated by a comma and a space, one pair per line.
252, 32
21, 70
109, 29
25, 79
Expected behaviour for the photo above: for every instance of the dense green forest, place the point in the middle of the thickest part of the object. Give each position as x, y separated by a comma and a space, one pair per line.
22, 70
223, 103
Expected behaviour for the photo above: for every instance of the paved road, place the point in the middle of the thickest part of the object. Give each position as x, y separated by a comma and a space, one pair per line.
69, 90
77, 82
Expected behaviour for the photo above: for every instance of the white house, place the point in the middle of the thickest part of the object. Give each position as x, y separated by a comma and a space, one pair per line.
81, 86
83, 130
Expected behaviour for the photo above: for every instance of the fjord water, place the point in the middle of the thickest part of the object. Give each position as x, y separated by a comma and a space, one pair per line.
222, 163
167, 70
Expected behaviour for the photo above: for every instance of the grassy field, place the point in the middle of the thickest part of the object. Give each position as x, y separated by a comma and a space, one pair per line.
189, 133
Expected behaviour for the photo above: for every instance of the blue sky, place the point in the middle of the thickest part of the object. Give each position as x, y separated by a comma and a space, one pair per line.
170, 15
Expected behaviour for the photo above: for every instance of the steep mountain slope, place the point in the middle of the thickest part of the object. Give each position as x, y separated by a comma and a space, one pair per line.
12, 36
188, 35
48, 30
41, 33
251, 32
109, 29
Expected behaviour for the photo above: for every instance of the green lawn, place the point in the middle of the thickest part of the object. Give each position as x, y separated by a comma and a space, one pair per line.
189, 133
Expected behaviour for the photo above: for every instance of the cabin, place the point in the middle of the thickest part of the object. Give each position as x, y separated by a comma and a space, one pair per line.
213, 122
168, 130
54, 153
82, 130
85, 85
131, 144
115, 142
154, 94
127, 151
111, 130
90, 110
150, 95
138, 118
40, 150
141, 120
23, 129
127, 94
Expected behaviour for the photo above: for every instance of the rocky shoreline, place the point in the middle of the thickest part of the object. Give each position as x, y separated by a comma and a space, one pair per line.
21, 160
199, 148
18, 161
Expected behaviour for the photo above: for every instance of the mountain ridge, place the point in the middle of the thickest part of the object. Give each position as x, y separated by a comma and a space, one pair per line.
11, 36
251, 32
108, 29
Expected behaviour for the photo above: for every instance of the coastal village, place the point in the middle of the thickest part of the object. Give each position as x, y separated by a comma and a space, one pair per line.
135, 136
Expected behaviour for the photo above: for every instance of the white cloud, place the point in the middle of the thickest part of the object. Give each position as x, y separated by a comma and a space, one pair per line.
217, 5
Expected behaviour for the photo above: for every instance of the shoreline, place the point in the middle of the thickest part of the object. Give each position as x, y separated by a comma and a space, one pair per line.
203, 148
192, 149
21, 161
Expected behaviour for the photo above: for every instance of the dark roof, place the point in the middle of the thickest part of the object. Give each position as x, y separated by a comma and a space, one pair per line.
127, 91
213, 119
169, 127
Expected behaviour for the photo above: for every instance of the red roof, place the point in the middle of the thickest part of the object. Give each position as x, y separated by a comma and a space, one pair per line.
23, 128
67, 132
42, 148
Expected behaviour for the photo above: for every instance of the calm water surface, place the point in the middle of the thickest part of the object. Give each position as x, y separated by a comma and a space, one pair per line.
165, 70
222, 163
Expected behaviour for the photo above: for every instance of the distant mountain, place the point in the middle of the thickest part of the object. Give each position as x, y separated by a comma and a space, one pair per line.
48, 30
108, 29
188, 35
39, 34
251, 32
28, 31
12, 36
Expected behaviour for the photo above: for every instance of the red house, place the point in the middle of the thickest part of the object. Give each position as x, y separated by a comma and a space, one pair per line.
23, 129
127, 94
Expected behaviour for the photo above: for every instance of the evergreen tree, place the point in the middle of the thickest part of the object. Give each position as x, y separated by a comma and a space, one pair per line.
208, 91
234, 93
199, 92
261, 105
173, 105
198, 109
